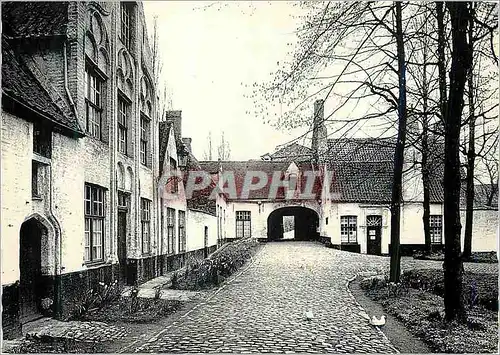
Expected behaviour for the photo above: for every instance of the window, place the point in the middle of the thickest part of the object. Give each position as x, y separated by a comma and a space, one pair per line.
42, 139
170, 230
93, 103
173, 177
182, 231
126, 17
123, 119
348, 229
243, 224
144, 140
292, 181
122, 200
35, 192
94, 223
145, 225
219, 223
436, 229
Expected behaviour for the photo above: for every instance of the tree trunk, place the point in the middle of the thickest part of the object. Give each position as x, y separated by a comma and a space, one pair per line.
461, 63
441, 58
395, 269
471, 157
425, 154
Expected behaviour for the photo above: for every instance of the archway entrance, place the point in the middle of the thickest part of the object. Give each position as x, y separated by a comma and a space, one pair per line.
295, 222
30, 269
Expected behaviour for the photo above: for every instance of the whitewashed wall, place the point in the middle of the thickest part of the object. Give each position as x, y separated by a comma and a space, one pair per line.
195, 231
361, 211
484, 230
178, 203
412, 228
17, 147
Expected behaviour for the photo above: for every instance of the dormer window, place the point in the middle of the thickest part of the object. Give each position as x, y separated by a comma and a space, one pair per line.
173, 178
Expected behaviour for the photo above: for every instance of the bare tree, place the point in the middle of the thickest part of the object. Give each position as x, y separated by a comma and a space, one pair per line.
478, 96
207, 154
461, 63
223, 150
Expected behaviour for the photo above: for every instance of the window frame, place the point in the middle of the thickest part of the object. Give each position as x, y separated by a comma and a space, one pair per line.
170, 230
145, 226
436, 225
123, 120
174, 182
126, 24
347, 227
94, 215
35, 181
42, 139
243, 218
94, 102
123, 197
145, 138
181, 216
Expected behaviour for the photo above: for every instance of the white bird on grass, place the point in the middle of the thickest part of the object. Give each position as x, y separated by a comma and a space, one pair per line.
309, 315
378, 322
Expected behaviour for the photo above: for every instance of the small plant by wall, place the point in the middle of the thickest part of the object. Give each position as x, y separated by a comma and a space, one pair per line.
96, 298
210, 272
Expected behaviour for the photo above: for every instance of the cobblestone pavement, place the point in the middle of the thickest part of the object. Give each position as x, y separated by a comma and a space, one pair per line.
263, 310
75, 330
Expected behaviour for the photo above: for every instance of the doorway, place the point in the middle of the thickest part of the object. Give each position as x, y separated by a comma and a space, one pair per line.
121, 250
301, 221
205, 242
374, 235
122, 245
30, 269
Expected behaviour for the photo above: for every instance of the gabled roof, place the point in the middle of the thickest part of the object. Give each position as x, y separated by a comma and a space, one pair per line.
482, 195
25, 92
200, 199
240, 169
163, 134
292, 151
360, 149
34, 18
361, 181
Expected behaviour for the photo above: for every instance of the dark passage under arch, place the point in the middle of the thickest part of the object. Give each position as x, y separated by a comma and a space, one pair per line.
305, 219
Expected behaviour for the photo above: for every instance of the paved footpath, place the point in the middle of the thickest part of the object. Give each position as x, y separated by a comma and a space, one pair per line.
263, 309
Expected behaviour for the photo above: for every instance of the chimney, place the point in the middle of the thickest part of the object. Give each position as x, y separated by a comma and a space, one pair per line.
175, 117
319, 134
187, 143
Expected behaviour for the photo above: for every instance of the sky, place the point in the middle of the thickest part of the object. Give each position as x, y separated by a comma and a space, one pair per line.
212, 53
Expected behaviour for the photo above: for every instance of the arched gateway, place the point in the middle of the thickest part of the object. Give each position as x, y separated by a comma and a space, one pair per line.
302, 220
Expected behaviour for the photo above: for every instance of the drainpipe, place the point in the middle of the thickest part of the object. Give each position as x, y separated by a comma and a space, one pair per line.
70, 98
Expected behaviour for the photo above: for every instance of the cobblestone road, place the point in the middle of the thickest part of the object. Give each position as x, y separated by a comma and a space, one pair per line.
263, 309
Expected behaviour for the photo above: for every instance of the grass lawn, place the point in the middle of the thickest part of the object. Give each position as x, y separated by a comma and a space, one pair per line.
417, 302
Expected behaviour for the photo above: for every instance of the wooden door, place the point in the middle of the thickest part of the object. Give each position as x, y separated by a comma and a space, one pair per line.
122, 244
374, 246
30, 267
205, 242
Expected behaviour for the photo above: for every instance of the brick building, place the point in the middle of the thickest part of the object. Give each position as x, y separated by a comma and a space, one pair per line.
81, 159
